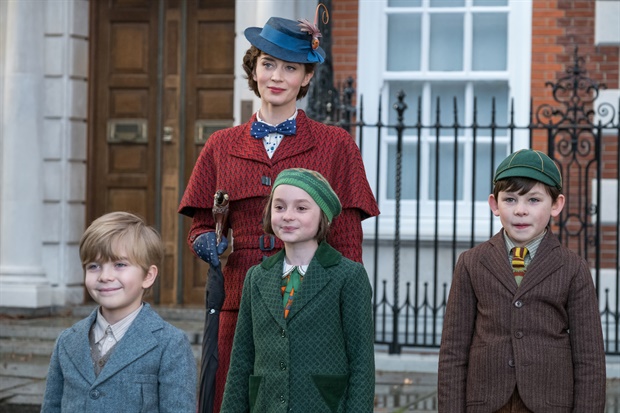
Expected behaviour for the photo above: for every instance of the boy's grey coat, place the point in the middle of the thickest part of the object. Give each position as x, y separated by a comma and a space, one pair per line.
320, 359
152, 369
497, 336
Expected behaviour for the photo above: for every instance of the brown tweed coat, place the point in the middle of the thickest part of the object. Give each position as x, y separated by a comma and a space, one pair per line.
544, 337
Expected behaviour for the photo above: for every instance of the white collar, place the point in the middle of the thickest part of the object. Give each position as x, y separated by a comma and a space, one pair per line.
258, 118
288, 268
118, 329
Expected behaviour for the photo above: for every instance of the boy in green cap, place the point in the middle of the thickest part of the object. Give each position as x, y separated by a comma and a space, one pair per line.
304, 340
522, 331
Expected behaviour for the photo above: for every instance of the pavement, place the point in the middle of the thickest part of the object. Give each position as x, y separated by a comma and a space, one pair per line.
404, 383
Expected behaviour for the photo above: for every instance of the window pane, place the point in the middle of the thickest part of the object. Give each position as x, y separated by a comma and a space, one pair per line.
404, 3
490, 3
447, 3
403, 42
409, 181
482, 165
484, 93
446, 92
490, 41
446, 47
446, 171
412, 91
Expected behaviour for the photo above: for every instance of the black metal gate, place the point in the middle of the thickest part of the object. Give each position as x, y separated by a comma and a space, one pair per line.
588, 154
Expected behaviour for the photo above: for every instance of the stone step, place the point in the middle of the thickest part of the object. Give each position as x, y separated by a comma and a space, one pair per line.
26, 347
167, 313
22, 382
49, 328
23, 348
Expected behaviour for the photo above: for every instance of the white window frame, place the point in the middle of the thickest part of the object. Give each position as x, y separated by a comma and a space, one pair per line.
372, 81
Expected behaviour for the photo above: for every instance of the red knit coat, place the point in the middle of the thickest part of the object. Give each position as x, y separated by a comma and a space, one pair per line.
234, 161
238, 163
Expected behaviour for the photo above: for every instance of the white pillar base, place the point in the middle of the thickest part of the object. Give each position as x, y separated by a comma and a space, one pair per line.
24, 287
25, 295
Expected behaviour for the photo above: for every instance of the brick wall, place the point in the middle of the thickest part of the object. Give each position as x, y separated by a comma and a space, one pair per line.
344, 16
558, 26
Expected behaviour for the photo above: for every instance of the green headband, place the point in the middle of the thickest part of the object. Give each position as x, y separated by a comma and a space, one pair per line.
315, 185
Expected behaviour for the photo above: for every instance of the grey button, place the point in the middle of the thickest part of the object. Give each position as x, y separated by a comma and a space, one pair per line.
511, 363
282, 366
282, 400
95, 394
519, 334
518, 303
282, 333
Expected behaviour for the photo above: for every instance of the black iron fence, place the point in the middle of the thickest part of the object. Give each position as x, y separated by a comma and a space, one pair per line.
413, 251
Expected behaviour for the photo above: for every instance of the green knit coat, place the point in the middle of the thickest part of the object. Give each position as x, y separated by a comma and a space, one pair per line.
321, 357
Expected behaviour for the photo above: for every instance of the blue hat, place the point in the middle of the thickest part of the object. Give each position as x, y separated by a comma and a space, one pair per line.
284, 40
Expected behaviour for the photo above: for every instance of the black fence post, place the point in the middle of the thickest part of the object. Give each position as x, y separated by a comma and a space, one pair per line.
400, 108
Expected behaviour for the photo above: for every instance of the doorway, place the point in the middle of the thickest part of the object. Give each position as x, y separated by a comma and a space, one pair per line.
161, 81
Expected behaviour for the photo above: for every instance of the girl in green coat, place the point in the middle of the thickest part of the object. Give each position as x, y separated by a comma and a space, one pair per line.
304, 337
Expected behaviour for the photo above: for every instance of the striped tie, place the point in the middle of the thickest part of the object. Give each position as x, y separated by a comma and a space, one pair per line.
518, 263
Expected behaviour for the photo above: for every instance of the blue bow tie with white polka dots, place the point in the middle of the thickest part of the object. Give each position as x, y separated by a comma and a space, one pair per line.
261, 129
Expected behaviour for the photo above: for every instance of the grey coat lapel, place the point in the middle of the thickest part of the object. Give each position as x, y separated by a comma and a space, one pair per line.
137, 341
496, 261
77, 346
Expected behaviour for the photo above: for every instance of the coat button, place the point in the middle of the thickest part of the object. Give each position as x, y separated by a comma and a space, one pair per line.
518, 303
282, 333
511, 363
282, 400
519, 334
94, 394
282, 366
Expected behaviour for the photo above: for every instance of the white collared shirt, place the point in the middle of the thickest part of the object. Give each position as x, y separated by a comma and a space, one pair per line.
288, 268
107, 335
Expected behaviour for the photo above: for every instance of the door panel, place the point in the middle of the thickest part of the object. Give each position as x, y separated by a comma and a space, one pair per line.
210, 75
143, 86
123, 89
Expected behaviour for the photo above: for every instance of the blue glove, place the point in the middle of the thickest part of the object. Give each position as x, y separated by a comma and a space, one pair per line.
207, 248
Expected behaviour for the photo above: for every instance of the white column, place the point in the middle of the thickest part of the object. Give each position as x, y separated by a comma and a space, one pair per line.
22, 277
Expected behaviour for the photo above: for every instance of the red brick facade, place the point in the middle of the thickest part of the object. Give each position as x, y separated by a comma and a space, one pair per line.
344, 48
558, 26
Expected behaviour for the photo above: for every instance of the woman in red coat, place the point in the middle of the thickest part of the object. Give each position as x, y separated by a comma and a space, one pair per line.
244, 160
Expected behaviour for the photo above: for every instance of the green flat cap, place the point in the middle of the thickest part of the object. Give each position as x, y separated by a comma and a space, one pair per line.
529, 163
315, 185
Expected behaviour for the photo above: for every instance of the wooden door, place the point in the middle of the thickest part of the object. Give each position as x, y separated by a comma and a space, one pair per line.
210, 68
148, 64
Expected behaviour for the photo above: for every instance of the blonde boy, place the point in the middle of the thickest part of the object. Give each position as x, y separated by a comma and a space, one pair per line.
123, 356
